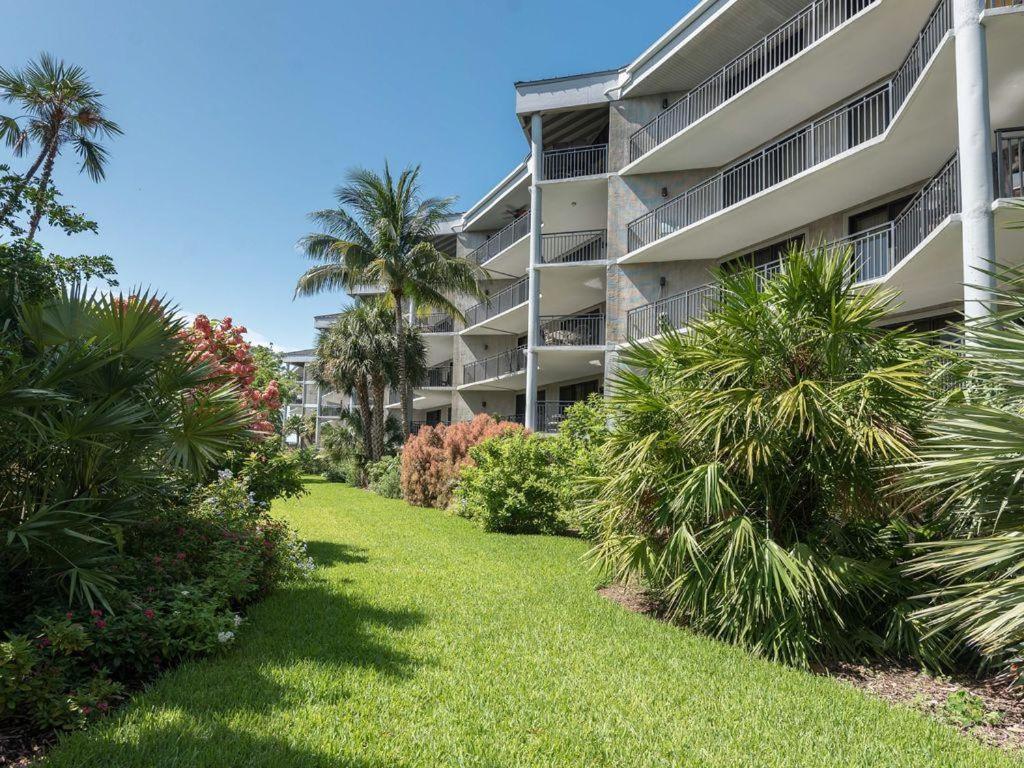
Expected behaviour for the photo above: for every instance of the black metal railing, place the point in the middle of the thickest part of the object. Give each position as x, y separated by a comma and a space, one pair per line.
502, 239
416, 425
575, 161
501, 364
572, 247
858, 121
439, 375
330, 411
799, 33
1010, 161
435, 322
572, 330
551, 413
511, 296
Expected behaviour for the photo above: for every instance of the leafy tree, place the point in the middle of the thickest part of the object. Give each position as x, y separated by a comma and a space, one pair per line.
380, 234
745, 469
59, 107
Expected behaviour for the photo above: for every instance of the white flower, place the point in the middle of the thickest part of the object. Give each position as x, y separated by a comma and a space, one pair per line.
225, 637
238, 620
184, 593
252, 497
225, 474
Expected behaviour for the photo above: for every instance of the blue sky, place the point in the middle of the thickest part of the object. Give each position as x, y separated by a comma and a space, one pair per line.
241, 117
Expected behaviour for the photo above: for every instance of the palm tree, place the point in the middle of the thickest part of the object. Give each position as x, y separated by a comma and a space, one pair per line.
380, 234
60, 107
971, 468
742, 477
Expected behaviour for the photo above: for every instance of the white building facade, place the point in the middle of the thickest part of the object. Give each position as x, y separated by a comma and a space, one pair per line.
893, 127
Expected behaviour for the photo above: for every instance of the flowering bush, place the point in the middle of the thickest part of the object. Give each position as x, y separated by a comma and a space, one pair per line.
186, 574
223, 345
432, 459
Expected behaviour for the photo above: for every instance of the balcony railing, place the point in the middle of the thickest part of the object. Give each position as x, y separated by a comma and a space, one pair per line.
572, 247
550, 413
502, 239
799, 33
874, 253
435, 322
439, 375
575, 161
511, 296
815, 142
572, 330
416, 426
501, 364
1010, 160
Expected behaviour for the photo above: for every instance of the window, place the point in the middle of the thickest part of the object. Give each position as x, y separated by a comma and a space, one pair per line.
763, 256
879, 215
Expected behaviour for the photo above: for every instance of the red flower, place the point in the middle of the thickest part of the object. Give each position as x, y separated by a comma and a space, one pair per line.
180, 556
95, 613
149, 613
101, 624
69, 615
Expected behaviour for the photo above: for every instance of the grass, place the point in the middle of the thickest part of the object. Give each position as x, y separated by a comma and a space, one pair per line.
426, 642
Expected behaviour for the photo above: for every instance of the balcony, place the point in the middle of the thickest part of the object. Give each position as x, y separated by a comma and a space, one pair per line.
585, 330
873, 255
1010, 160
439, 376
508, 298
574, 162
865, 121
435, 322
416, 426
493, 367
502, 240
574, 247
806, 28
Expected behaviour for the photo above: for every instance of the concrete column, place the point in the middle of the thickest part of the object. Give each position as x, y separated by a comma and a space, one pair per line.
975, 147
533, 309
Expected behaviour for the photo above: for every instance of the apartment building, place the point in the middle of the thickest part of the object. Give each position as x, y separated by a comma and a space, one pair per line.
891, 127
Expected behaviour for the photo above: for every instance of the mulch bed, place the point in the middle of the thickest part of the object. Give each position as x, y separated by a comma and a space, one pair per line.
899, 685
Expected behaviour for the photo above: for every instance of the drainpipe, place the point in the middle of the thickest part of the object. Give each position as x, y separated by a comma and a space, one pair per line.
975, 147
533, 308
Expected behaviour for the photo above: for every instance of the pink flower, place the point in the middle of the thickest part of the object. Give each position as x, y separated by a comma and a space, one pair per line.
101, 624
149, 613
180, 556
95, 613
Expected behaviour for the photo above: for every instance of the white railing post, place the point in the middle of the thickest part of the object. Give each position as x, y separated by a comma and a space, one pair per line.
536, 244
975, 144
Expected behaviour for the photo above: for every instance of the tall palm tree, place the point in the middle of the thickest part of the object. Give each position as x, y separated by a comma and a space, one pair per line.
380, 234
59, 107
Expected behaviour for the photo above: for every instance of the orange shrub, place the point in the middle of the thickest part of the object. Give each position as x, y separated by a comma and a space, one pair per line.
431, 459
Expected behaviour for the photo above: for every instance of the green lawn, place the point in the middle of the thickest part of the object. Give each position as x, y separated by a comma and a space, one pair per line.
425, 642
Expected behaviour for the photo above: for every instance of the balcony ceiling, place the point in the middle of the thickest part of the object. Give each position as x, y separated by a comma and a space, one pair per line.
581, 127
689, 55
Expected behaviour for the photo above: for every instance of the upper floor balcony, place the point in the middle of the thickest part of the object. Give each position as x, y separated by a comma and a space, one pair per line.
508, 298
587, 246
435, 322
439, 376
875, 254
884, 139
827, 49
513, 233
505, 363
575, 162
582, 330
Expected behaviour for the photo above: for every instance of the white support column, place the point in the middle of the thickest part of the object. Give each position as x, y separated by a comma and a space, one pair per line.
533, 308
975, 147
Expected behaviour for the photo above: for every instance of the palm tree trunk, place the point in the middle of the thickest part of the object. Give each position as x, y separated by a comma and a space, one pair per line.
37, 214
365, 415
403, 373
16, 194
377, 386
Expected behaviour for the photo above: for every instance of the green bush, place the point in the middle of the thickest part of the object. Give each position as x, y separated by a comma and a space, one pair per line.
310, 461
186, 572
386, 477
268, 470
581, 435
514, 485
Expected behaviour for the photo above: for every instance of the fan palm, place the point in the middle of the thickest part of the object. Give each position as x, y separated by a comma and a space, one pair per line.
743, 470
971, 467
380, 234
60, 107
98, 399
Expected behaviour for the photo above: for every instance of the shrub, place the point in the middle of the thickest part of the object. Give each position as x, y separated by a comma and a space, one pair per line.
310, 461
269, 471
187, 570
746, 475
432, 459
385, 477
581, 435
515, 484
